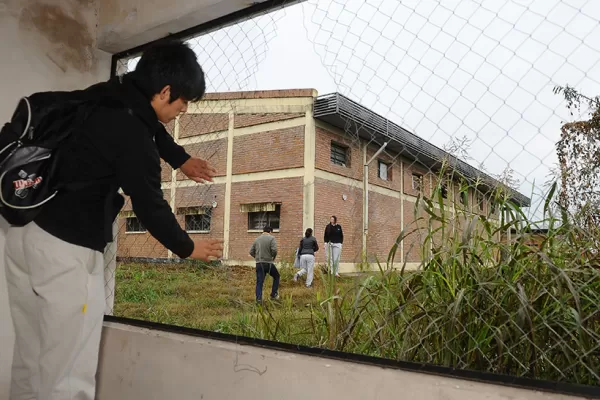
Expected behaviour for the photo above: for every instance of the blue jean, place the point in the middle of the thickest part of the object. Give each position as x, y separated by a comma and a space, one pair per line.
262, 269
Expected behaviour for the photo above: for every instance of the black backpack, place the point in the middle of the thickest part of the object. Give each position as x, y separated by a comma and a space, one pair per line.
29, 154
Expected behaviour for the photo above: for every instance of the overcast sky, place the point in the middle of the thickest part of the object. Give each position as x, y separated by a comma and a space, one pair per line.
484, 69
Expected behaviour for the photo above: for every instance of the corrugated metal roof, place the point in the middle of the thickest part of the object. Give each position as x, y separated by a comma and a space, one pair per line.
341, 112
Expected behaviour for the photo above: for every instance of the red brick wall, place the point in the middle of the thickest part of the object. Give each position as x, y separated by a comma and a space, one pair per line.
166, 168
165, 171
201, 124
385, 224
128, 207
323, 154
289, 192
328, 202
267, 151
415, 229
243, 120
394, 181
214, 151
138, 244
203, 195
409, 169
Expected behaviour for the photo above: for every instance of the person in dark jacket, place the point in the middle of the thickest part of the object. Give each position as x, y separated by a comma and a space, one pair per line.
306, 252
55, 263
334, 239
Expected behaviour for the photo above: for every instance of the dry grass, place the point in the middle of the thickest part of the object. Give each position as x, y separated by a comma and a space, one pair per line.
211, 298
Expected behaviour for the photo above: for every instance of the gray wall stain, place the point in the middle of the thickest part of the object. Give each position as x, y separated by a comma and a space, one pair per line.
72, 40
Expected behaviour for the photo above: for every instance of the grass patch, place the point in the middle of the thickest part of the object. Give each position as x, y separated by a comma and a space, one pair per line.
214, 298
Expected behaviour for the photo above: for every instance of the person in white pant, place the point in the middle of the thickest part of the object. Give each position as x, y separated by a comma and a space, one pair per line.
306, 252
54, 264
334, 239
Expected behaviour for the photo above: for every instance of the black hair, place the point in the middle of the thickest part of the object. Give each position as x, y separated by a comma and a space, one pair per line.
171, 63
308, 233
267, 229
334, 219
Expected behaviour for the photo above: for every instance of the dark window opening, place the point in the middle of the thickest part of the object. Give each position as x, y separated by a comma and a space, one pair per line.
258, 220
133, 225
197, 222
339, 154
417, 182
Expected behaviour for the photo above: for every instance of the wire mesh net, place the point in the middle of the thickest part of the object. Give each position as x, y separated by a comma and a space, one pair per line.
473, 126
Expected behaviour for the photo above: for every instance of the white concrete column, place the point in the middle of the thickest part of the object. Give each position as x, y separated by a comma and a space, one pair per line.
228, 181
308, 205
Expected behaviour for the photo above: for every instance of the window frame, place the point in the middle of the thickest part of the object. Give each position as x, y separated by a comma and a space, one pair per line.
444, 190
480, 200
142, 228
388, 176
463, 197
205, 215
268, 214
419, 179
333, 151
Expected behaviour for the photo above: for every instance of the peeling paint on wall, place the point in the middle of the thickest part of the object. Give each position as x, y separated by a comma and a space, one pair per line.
64, 25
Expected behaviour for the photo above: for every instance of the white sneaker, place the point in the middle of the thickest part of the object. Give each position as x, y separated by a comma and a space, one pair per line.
296, 277
337, 276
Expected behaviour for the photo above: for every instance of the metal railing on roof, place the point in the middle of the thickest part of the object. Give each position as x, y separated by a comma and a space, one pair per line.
335, 104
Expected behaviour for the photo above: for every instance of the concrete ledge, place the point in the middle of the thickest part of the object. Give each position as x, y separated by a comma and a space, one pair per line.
140, 363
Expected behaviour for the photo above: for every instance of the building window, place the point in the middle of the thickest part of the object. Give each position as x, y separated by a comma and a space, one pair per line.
494, 206
480, 200
464, 197
444, 190
197, 223
382, 171
133, 225
339, 154
261, 215
197, 219
417, 182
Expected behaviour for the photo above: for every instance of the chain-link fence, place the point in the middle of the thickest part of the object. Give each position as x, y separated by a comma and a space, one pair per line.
454, 142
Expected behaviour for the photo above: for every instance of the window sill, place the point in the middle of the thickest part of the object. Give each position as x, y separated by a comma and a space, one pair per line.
136, 233
261, 231
203, 232
341, 166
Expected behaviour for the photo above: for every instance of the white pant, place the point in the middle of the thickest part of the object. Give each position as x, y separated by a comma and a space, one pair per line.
307, 265
56, 296
333, 252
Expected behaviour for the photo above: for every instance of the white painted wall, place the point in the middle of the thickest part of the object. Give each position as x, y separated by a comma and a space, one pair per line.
45, 45
143, 364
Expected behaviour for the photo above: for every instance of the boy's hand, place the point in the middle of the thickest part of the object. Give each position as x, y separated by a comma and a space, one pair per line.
198, 170
207, 250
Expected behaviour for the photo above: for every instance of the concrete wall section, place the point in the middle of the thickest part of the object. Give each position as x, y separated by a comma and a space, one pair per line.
45, 45
125, 24
143, 364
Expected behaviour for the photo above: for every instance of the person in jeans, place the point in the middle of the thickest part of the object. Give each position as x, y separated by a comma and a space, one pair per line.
334, 239
55, 266
264, 251
306, 251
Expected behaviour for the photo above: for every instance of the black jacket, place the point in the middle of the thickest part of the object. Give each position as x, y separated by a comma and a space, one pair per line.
308, 246
119, 145
334, 234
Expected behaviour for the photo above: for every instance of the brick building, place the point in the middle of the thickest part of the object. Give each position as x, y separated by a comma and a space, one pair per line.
292, 159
